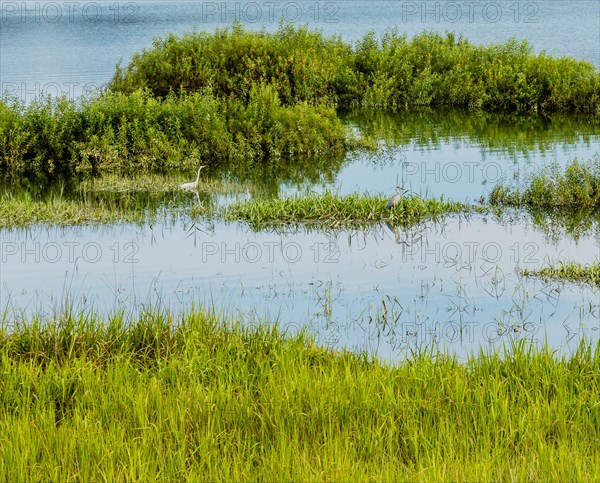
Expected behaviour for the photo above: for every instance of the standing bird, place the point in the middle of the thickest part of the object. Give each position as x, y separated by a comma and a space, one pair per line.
194, 184
397, 197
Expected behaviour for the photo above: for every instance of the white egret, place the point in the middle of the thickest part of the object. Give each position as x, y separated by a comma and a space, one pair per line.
194, 184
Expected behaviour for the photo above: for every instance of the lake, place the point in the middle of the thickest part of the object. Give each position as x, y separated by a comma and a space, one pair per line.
453, 284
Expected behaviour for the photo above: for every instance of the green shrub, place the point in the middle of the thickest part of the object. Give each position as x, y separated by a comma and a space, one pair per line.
395, 72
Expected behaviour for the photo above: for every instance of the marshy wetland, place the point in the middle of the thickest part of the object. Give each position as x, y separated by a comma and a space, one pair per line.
280, 322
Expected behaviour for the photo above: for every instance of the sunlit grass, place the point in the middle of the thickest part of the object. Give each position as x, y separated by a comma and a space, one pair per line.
568, 271
21, 210
191, 396
163, 184
333, 210
575, 188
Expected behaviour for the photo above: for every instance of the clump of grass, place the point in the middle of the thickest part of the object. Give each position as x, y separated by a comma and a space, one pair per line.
20, 210
194, 396
568, 271
337, 211
155, 183
388, 73
576, 188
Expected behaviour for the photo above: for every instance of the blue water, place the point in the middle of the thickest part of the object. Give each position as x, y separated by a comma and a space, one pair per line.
454, 285
69, 48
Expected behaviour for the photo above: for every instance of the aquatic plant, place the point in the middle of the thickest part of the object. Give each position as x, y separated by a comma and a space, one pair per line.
574, 272
332, 210
576, 188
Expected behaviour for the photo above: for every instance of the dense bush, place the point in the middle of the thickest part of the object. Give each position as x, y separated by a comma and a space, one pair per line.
138, 133
396, 72
244, 99
303, 65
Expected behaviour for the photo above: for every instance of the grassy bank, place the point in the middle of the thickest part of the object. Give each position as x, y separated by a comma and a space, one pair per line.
332, 210
193, 397
387, 73
568, 271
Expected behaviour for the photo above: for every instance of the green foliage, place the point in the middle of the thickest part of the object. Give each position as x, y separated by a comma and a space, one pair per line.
395, 72
335, 211
191, 396
568, 271
139, 134
303, 65
244, 99
576, 188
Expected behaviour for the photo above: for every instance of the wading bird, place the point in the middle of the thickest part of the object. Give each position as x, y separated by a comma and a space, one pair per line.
394, 201
194, 184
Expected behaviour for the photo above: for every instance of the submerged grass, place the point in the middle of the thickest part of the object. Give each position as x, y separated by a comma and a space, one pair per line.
333, 210
162, 184
22, 209
568, 271
195, 397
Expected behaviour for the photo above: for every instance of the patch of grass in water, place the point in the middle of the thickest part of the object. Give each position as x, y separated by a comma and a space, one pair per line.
196, 397
163, 184
20, 210
333, 210
575, 188
568, 271
113, 199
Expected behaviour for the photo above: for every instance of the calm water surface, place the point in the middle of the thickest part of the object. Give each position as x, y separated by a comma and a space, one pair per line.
454, 284
71, 47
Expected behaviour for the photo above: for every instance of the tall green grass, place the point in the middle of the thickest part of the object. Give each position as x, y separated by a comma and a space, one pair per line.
332, 210
576, 187
23, 209
387, 73
568, 271
190, 396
